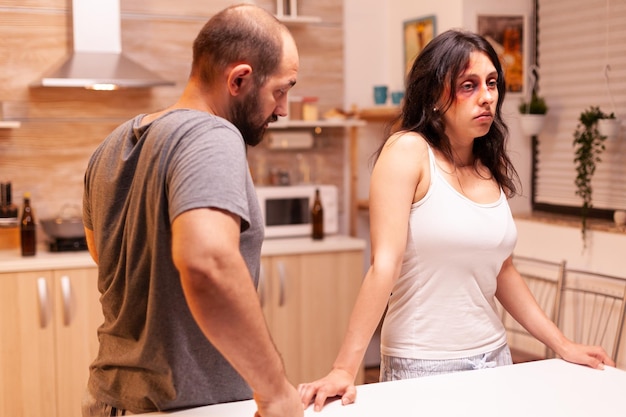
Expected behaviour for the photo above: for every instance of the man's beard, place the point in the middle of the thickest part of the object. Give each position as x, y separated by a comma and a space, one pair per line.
246, 116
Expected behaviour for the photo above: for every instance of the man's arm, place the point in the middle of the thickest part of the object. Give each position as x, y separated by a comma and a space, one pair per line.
224, 303
91, 244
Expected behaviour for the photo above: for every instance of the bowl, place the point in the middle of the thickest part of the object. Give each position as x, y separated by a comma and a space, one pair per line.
65, 226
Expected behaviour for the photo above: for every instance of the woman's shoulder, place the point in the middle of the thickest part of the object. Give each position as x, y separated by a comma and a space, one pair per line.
407, 141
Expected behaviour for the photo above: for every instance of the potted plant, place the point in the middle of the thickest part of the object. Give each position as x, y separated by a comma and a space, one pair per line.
532, 114
589, 145
609, 125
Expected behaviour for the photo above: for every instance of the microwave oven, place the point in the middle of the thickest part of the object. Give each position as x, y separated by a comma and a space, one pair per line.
286, 209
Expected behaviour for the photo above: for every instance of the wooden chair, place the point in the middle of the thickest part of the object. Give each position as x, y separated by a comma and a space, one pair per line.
591, 308
542, 278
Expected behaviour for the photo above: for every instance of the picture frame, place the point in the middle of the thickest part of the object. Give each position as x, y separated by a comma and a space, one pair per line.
416, 35
507, 34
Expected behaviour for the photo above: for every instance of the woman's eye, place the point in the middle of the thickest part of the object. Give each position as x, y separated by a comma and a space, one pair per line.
467, 86
493, 84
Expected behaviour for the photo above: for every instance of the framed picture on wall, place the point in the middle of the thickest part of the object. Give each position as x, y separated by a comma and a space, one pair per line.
506, 33
417, 33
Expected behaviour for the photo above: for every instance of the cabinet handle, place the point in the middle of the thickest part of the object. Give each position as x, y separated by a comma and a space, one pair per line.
261, 286
282, 279
66, 294
44, 304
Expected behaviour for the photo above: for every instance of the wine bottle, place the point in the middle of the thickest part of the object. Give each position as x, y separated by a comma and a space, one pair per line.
317, 217
10, 208
28, 229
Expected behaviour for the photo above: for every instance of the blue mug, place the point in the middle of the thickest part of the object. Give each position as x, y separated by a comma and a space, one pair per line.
380, 94
396, 97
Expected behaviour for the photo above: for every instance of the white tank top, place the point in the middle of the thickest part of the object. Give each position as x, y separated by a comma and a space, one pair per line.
443, 305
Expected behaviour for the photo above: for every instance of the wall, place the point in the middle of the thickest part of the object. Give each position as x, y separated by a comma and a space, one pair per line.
60, 127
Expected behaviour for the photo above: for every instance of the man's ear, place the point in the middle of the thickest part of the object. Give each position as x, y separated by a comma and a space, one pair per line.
239, 79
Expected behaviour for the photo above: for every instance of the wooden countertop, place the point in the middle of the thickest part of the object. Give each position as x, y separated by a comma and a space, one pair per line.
12, 261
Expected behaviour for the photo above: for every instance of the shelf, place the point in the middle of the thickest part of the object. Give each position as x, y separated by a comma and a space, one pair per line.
383, 113
298, 20
9, 222
363, 204
292, 124
9, 124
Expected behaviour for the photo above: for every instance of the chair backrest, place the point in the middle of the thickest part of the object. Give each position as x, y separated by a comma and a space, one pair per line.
542, 277
591, 308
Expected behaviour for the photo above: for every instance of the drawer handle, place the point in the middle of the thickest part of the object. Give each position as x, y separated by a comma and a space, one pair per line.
44, 302
66, 293
282, 276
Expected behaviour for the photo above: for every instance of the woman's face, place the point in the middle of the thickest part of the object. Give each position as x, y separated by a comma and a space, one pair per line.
476, 96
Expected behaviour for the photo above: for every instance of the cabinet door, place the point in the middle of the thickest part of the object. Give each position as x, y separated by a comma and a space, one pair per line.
311, 298
27, 362
282, 309
78, 315
330, 283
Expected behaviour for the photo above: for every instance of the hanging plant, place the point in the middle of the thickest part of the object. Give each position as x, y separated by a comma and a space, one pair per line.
533, 114
609, 125
589, 145
536, 105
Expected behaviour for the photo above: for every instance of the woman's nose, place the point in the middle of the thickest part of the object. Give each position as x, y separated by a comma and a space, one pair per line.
487, 95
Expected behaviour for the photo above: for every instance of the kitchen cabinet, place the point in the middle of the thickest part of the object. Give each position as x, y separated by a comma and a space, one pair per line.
307, 300
48, 323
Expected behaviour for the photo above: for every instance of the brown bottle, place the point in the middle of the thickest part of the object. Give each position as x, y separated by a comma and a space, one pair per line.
10, 208
317, 217
28, 231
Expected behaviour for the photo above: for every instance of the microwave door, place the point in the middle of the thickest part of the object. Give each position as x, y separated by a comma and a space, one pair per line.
287, 211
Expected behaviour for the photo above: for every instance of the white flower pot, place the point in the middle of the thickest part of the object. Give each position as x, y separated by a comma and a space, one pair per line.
532, 123
609, 127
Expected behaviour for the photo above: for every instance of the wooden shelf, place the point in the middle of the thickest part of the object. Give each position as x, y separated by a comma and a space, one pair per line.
298, 20
293, 124
381, 113
363, 204
9, 124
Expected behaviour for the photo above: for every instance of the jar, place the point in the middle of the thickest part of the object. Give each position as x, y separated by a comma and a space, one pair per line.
309, 108
295, 108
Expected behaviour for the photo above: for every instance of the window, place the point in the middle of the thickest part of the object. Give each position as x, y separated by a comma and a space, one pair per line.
581, 51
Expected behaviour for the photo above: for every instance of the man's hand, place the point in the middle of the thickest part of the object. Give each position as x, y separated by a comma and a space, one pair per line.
286, 404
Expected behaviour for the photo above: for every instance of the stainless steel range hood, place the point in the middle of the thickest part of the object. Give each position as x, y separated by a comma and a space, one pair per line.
97, 61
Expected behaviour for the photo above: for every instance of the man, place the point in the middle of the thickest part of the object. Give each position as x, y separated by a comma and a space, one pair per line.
172, 220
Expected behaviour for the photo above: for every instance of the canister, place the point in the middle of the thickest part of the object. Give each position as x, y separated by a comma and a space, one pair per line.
295, 108
309, 108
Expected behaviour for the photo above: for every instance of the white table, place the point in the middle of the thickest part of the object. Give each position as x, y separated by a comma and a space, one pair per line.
550, 388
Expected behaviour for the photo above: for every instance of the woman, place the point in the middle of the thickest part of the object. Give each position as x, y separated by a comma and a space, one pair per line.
442, 233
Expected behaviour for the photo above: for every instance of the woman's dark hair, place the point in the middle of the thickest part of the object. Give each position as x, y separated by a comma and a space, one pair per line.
441, 62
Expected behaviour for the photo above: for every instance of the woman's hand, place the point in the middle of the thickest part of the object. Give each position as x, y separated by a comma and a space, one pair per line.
592, 356
337, 383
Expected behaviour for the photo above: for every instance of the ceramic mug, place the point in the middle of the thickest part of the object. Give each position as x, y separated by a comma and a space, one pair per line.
396, 97
380, 94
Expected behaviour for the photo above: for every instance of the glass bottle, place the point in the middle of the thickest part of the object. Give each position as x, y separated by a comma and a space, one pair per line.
11, 209
28, 231
317, 217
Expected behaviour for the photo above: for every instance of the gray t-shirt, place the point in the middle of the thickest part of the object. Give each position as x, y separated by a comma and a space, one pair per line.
153, 355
